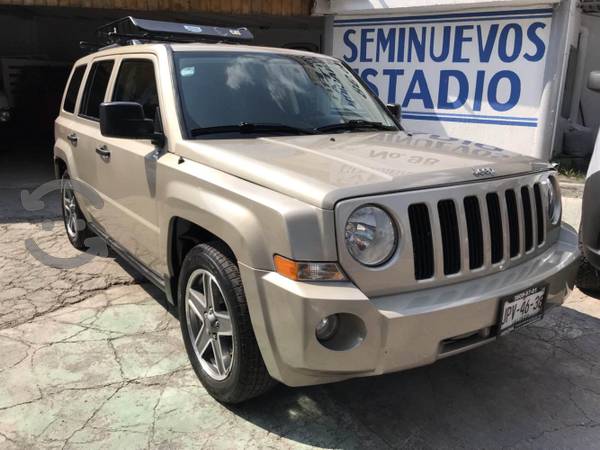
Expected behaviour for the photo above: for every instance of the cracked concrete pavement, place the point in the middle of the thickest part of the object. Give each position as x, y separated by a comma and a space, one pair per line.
91, 358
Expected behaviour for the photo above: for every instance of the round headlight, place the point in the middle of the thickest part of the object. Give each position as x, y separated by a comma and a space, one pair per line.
554, 202
371, 236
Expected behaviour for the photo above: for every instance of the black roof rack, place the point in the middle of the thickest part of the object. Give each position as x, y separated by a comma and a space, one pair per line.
130, 30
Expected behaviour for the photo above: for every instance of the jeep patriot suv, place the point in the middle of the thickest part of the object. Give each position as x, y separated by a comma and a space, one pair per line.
302, 234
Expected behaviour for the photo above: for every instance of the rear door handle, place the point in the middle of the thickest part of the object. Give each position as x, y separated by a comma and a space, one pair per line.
103, 152
72, 138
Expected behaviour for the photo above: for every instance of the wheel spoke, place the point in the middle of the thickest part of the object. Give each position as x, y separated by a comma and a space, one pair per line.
68, 199
225, 327
197, 302
208, 290
218, 353
202, 341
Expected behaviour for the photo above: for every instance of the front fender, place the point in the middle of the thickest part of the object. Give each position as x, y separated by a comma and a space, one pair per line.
254, 221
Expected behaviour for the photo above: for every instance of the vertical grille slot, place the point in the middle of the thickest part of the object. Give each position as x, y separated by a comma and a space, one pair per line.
513, 222
420, 229
474, 232
450, 236
527, 218
539, 212
494, 215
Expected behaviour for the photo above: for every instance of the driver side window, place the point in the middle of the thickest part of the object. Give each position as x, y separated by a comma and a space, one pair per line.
136, 82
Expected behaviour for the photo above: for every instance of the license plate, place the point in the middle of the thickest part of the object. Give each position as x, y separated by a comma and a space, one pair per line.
521, 309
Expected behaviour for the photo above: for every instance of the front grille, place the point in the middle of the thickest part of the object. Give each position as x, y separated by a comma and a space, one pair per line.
527, 217
420, 229
494, 226
513, 222
450, 236
495, 218
475, 232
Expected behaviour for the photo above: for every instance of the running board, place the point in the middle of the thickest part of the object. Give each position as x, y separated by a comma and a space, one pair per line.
148, 273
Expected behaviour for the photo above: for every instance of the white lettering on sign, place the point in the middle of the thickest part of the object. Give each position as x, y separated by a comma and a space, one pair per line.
484, 67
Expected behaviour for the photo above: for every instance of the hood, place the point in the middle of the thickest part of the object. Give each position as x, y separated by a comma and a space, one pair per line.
324, 169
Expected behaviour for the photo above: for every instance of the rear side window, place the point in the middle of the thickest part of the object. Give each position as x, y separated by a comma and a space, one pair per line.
136, 82
73, 89
95, 89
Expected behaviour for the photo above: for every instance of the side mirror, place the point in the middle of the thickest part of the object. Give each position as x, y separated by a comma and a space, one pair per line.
394, 109
594, 81
125, 120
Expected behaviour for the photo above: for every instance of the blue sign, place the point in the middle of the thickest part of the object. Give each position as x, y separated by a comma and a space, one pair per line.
483, 67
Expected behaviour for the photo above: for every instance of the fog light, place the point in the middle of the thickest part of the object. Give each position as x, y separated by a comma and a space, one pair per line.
327, 327
5, 116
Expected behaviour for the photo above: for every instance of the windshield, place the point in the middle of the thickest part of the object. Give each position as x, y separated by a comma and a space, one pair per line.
273, 93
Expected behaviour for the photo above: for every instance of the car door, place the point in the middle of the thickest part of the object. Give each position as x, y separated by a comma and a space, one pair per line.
127, 172
85, 133
67, 123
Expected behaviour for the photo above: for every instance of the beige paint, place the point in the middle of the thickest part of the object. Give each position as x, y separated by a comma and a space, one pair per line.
291, 196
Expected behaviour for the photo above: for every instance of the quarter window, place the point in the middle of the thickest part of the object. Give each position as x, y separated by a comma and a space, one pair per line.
136, 82
73, 89
95, 89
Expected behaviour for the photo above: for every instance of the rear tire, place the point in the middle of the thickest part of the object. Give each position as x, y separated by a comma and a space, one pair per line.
216, 326
76, 225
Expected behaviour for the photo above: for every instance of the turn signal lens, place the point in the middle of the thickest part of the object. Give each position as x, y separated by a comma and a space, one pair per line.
308, 271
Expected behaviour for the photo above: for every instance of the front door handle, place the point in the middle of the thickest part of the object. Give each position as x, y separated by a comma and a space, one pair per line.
72, 138
103, 152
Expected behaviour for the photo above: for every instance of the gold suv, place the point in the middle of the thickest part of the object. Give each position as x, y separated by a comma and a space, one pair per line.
303, 235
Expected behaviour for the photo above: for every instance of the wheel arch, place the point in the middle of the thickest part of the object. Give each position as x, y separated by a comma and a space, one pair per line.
183, 235
60, 167
63, 160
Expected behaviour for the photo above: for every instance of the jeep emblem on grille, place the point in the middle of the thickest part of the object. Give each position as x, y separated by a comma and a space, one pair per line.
484, 171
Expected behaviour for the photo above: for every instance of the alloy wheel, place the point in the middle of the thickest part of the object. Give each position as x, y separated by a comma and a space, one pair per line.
70, 208
209, 324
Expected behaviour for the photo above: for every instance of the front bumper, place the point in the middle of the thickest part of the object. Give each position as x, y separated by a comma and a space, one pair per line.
402, 331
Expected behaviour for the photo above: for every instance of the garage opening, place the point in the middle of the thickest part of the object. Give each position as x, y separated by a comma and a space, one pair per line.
38, 45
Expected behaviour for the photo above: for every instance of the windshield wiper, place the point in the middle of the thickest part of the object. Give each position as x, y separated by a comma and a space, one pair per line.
355, 125
246, 127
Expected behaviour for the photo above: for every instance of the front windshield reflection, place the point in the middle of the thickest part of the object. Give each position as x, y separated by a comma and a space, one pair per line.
306, 92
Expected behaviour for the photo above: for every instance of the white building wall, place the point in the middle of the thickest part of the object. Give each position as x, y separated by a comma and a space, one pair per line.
493, 74
347, 7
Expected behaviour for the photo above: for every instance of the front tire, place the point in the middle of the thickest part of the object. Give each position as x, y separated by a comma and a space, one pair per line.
216, 326
588, 278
